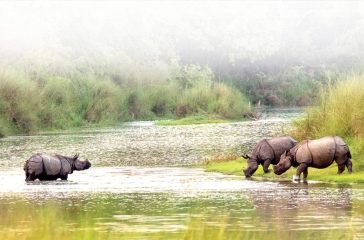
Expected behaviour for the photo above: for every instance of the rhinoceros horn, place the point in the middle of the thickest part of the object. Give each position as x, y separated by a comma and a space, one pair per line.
246, 156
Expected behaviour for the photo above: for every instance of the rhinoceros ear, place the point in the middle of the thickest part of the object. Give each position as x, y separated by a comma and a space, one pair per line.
246, 156
286, 153
76, 156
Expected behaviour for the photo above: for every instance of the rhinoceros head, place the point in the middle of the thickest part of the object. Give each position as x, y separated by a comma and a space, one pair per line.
81, 165
284, 163
252, 165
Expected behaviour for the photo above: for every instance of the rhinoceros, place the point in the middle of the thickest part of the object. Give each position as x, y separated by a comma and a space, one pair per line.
319, 153
45, 167
266, 152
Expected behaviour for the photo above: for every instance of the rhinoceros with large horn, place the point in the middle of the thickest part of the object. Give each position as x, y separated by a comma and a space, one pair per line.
266, 152
319, 153
45, 167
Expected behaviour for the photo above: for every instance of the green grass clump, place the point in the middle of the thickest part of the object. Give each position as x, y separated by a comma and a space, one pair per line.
340, 111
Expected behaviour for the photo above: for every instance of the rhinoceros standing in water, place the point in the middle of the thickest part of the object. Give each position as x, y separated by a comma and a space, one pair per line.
319, 153
266, 152
45, 167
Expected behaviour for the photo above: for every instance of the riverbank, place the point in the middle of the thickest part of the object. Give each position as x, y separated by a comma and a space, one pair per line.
198, 119
190, 120
339, 112
235, 167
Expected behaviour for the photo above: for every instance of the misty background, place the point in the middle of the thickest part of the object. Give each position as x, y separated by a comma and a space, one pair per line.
275, 53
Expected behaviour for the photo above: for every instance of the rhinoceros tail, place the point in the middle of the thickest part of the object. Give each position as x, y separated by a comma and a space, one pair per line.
348, 153
25, 166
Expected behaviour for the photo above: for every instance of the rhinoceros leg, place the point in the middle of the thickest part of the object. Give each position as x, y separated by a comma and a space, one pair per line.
65, 177
349, 165
266, 165
341, 168
30, 177
301, 168
305, 174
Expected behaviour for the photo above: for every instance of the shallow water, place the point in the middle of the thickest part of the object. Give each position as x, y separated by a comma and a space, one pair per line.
162, 198
146, 144
173, 201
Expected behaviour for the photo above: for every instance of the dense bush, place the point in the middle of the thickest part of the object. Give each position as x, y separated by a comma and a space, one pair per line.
339, 111
203, 95
294, 86
19, 103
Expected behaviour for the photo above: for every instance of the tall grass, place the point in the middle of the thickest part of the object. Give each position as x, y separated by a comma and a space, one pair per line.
200, 94
339, 112
19, 103
63, 101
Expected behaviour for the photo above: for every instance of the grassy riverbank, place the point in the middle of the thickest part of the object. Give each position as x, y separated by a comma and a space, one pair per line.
235, 167
200, 119
339, 112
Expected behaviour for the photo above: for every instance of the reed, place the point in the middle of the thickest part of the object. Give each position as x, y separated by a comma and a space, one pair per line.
64, 101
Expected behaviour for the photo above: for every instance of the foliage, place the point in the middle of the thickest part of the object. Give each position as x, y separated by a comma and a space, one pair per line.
202, 95
339, 112
60, 101
19, 101
295, 85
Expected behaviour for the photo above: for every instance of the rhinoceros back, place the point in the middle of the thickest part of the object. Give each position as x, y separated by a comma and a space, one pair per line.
52, 165
279, 146
318, 153
339, 141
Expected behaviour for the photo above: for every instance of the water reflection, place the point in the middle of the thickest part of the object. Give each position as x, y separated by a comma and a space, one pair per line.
300, 207
172, 202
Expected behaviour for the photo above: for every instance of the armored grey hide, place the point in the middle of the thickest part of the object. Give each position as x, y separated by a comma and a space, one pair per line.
45, 167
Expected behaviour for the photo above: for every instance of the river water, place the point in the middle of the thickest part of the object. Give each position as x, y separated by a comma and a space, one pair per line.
141, 186
146, 144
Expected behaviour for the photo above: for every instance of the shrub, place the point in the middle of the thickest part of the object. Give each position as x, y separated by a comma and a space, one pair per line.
59, 101
19, 102
339, 111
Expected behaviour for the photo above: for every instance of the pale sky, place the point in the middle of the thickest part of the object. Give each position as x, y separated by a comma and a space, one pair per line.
154, 28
